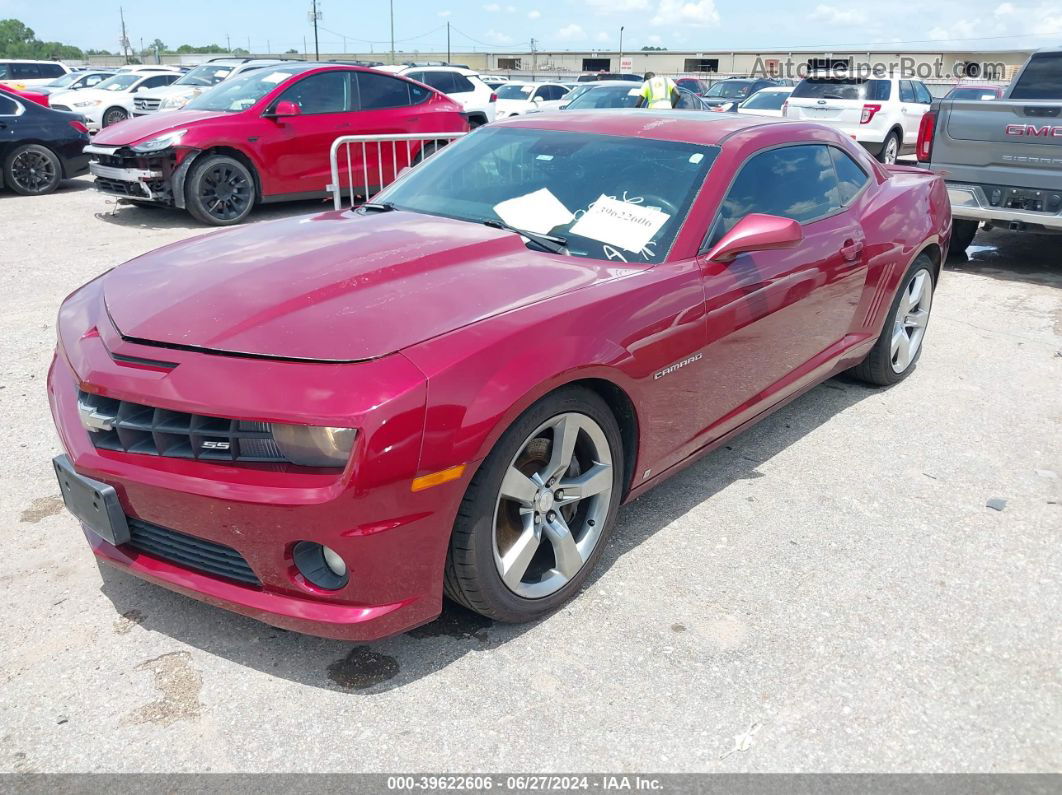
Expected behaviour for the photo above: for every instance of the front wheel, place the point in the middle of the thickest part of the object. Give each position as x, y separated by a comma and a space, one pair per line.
220, 191
114, 115
890, 149
898, 347
537, 513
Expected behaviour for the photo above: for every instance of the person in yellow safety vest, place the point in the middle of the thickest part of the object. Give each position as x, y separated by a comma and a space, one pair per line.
658, 92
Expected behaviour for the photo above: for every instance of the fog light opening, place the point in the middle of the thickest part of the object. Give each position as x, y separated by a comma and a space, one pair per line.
320, 565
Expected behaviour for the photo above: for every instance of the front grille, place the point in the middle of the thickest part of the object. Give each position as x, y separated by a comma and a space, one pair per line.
146, 104
190, 552
121, 187
134, 428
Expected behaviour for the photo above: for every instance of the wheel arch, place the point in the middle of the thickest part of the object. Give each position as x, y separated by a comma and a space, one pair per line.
180, 175
122, 108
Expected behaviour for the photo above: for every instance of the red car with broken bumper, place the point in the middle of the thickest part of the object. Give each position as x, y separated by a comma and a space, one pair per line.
328, 422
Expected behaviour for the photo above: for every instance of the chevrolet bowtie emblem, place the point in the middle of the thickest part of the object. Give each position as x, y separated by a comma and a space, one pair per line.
92, 420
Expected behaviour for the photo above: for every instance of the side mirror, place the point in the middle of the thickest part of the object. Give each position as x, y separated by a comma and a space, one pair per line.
566, 104
285, 108
537, 100
756, 232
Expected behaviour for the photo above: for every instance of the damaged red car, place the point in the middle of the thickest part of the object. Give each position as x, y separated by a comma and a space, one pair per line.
329, 422
265, 137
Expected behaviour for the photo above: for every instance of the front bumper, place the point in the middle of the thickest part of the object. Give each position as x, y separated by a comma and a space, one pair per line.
971, 202
120, 172
393, 540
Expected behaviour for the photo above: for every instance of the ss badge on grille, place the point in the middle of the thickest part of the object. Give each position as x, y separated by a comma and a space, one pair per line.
210, 445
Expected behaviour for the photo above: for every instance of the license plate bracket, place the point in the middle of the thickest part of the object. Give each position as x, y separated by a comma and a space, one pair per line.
94, 503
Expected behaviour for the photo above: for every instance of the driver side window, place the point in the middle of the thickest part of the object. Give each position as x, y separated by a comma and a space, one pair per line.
797, 182
325, 92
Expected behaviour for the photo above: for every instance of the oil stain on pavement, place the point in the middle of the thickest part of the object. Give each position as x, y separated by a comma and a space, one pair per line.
41, 508
179, 685
362, 668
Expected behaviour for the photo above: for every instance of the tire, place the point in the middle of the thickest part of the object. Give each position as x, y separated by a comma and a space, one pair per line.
890, 149
963, 231
32, 170
888, 363
492, 528
426, 151
219, 191
113, 116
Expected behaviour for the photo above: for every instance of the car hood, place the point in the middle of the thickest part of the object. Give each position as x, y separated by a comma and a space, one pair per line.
82, 94
510, 105
140, 127
339, 286
173, 90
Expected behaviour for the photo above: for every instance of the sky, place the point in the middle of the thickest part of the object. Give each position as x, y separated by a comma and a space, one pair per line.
573, 25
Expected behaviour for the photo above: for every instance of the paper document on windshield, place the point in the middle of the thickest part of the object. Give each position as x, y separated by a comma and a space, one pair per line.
618, 223
536, 212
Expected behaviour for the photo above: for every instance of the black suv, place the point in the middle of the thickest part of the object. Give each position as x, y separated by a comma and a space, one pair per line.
735, 89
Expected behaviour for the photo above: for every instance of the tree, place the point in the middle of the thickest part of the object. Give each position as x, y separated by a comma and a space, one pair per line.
654, 49
157, 46
19, 41
291, 52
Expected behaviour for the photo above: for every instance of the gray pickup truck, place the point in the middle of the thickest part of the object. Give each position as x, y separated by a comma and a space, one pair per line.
1001, 159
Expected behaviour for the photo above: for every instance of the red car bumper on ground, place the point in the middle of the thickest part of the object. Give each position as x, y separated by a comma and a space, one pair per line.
393, 539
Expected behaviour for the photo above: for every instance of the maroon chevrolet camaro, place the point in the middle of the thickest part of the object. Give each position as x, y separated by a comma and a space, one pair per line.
329, 422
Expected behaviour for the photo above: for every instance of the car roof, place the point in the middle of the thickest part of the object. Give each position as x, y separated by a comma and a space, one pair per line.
687, 126
776, 89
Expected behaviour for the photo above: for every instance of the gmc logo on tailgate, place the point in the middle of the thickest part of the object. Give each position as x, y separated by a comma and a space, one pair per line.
1047, 131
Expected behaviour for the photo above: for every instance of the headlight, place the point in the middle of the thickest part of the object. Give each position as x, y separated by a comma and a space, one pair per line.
314, 445
159, 143
88, 103
171, 103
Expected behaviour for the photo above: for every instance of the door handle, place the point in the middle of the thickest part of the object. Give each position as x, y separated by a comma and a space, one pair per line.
852, 249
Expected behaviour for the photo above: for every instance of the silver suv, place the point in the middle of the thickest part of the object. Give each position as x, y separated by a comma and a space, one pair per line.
189, 86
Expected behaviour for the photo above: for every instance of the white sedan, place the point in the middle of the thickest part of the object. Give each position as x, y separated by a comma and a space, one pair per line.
112, 100
518, 99
766, 101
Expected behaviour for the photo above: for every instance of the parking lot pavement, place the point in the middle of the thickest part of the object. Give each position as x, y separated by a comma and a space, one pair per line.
831, 583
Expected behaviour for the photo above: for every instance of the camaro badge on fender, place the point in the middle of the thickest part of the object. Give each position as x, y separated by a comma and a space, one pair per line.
678, 365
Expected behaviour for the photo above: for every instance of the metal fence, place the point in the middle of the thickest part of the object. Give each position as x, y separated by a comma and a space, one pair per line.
372, 162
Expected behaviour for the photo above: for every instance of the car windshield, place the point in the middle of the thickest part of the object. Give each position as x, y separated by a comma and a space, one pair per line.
65, 80
607, 97
609, 197
514, 91
206, 75
729, 89
240, 93
118, 82
765, 100
841, 88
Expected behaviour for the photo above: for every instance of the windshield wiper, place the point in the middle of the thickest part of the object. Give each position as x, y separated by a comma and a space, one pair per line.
551, 243
377, 207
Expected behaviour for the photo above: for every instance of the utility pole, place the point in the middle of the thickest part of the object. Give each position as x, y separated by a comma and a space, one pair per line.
269, 47
248, 45
314, 16
228, 43
305, 52
534, 60
125, 38
448, 59
621, 48
392, 31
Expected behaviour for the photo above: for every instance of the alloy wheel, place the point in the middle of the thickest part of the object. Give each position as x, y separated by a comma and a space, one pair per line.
912, 316
114, 116
224, 192
552, 506
33, 171
892, 149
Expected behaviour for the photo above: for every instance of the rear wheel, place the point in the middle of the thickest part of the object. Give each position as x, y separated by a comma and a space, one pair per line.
536, 516
32, 170
895, 353
220, 191
890, 149
114, 115
962, 234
